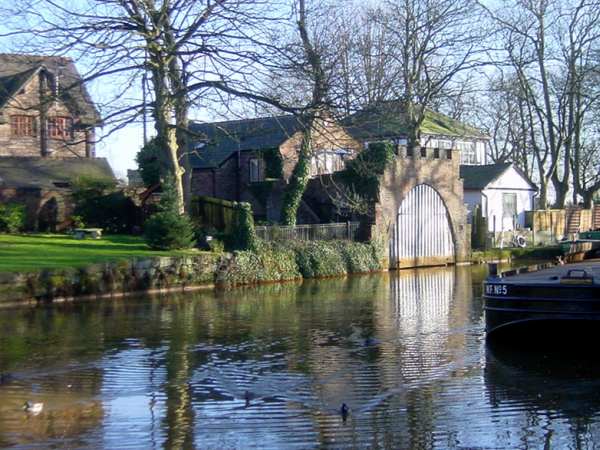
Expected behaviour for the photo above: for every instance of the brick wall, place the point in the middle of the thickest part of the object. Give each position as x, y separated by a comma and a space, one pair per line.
27, 102
222, 182
326, 135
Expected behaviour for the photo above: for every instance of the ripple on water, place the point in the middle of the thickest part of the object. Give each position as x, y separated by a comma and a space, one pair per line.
269, 367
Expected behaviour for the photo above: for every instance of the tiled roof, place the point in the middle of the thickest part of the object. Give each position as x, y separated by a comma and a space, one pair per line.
15, 70
223, 139
478, 177
388, 120
19, 172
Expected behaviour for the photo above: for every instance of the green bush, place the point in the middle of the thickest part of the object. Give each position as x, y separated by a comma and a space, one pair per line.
268, 262
77, 222
244, 236
216, 245
148, 163
359, 257
319, 259
12, 217
300, 259
167, 230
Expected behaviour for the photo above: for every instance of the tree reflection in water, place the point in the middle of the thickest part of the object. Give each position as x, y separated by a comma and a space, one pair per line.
404, 351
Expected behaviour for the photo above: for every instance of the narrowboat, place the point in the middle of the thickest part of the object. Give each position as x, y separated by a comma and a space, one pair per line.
558, 301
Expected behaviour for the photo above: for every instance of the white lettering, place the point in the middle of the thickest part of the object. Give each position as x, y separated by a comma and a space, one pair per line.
496, 289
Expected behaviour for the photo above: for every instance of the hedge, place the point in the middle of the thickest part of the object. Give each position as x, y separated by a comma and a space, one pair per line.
301, 259
264, 263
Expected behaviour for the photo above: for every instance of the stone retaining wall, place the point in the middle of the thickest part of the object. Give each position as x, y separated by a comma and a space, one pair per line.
114, 278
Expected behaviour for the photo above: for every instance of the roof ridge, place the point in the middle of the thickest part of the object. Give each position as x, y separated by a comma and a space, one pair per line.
31, 55
280, 116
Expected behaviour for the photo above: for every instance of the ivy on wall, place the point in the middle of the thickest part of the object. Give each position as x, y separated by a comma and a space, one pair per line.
362, 174
233, 222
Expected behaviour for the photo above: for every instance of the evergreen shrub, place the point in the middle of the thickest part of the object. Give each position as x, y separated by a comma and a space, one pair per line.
149, 163
359, 257
167, 229
319, 259
12, 218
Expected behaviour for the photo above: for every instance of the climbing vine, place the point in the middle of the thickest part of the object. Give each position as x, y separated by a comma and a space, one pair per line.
362, 174
298, 182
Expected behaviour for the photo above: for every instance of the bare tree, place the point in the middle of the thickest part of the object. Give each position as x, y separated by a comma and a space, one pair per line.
366, 75
502, 113
312, 65
433, 42
548, 45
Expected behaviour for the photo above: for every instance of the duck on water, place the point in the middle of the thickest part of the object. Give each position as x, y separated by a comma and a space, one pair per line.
552, 303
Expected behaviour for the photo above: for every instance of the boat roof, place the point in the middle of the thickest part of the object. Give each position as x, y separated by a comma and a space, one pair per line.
553, 274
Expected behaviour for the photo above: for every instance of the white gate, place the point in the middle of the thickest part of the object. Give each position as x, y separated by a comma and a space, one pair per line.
421, 235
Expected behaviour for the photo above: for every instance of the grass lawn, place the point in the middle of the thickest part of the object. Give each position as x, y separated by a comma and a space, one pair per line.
31, 252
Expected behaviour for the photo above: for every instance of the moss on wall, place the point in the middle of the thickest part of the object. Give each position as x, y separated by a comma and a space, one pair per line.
266, 262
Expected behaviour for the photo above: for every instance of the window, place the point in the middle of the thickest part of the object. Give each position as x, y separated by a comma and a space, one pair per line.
509, 205
423, 152
256, 172
60, 127
22, 125
468, 154
328, 161
441, 143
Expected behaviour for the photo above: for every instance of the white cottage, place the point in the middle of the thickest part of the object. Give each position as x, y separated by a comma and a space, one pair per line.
503, 192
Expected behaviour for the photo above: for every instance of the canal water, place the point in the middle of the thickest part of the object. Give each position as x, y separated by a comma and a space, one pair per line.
270, 367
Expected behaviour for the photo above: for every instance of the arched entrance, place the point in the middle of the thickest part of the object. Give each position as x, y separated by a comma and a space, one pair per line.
48, 215
421, 235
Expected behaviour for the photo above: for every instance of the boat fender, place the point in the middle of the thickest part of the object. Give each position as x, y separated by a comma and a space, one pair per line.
520, 241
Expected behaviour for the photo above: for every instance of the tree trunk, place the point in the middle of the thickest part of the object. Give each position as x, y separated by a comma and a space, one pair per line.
166, 133
178, 85
543, 198
588, 199
561, 190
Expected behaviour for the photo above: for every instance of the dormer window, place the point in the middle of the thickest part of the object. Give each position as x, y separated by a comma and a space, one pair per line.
60, 127
22, 125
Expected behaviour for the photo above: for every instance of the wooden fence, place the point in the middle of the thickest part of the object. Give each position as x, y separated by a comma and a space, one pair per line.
551, 225
221, 215
318, 232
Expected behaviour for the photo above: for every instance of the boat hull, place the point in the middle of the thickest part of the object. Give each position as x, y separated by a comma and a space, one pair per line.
509, 304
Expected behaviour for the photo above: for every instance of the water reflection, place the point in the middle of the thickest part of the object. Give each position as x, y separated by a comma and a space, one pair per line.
557, 394
269, 367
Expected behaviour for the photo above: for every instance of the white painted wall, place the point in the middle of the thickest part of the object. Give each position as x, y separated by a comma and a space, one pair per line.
509, 182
